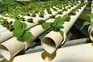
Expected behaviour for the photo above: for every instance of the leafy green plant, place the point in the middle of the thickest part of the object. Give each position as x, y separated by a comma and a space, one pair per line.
20, 31
81, 5
73, 12
66, 17
88, 22
30, 20
41, 21
28, 14
20, 18
33, 15
56, 25
41, 14
49, 11
7, 24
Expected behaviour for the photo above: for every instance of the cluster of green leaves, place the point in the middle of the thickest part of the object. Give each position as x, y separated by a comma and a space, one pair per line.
6, 24
66, 17
73, 12
41, 21
81, 5
88, 22
49, 11
18, 28
16, 8
20, 31
56, 25
30, 20
41, 14
20, 18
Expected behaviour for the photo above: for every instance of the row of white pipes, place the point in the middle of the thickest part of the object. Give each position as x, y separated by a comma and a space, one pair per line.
12, 46
14, 50
4, 31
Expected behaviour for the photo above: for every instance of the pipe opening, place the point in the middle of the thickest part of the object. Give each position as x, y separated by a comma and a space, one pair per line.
48, 44
92, 34
4, 52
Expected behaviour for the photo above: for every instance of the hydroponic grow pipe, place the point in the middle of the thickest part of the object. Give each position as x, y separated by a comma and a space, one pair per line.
68, 54
90, 29
8, 48
53, 39
76, 42
8, 34
2, 29
67, 44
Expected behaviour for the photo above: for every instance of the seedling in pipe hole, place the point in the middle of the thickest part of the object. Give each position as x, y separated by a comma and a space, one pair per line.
41, 14
6, 24
30, 20
49, 11
20, 31
56, 25
41, 21
88, 22
66, 17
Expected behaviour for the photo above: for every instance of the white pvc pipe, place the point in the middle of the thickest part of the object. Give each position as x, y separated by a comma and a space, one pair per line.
8, 34
52, 40
7, 53
69, 54
2, 29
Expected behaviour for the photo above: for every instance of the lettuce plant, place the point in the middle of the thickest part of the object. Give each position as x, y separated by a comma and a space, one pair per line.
56, 25
49, 11
73, 12
20, 31
33, 15
20, 18
7, 24
41, 21
30, 20
66, 17
41, 14
88, 22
